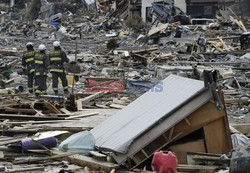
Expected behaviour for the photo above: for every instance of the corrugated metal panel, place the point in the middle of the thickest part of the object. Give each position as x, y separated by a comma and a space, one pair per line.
118, 131
153, 133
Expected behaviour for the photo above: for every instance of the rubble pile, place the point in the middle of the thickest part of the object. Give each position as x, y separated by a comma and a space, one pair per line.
170, 81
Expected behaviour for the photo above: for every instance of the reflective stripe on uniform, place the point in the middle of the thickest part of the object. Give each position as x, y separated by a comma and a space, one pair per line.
56, 70
41, 91
56, 59
23, 67
55, 89
38, 62
65, 87
29, 54
32, 70
38, 91
29, 60
40, 74
55, 54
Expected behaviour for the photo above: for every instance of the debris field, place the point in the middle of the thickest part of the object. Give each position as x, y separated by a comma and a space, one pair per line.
144, 77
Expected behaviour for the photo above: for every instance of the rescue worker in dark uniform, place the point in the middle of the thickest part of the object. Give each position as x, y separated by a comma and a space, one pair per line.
57, 59
28, 65
41, 70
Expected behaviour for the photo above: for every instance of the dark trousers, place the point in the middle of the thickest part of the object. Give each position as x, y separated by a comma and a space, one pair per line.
30, 82
55, 77
40, 84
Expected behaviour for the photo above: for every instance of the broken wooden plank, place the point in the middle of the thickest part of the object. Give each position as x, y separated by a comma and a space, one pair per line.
19, 110
28, 117
80, 160
64, 110
236, 100
224, 44
242, 128
239, 23
25, 169
79, 105
196, 168
37, 160
116, 106
88, 99
82, 115
211, 159
91, 163
52, 108
10, 141
92, 97
98, 156
35, 122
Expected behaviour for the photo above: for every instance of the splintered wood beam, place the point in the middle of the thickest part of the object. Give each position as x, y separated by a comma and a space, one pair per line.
87, 99
28, 117
171, 133
82, 115
92, 97
242, 128
11, 141
19, 110
224, 44
26, 169
47, 158
90, 162
35, 122
196, 168
52, 108
187, 121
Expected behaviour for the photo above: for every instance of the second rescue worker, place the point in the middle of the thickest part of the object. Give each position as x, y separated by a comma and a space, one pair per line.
57, 59
41, 70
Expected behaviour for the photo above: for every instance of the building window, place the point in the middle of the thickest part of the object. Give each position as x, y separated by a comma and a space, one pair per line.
148, 14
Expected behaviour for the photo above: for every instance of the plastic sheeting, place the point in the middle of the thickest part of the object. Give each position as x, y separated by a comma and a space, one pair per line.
82, 143
239, 139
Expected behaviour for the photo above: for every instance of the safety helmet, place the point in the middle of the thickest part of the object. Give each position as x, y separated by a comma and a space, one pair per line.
29, 44
56, 44
42, 47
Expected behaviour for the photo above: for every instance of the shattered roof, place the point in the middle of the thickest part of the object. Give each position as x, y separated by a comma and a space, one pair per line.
119, 131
